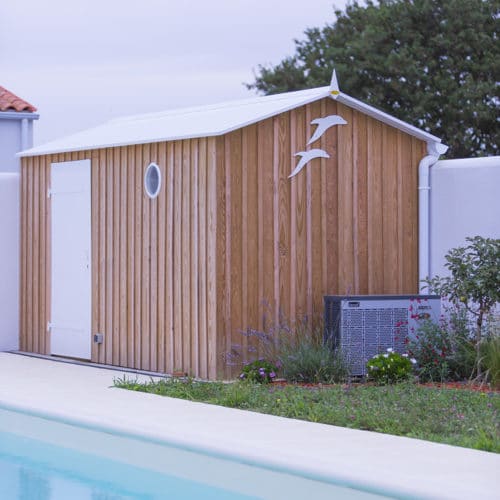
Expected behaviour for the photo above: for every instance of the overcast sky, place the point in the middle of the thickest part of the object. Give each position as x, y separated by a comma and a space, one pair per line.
82, 62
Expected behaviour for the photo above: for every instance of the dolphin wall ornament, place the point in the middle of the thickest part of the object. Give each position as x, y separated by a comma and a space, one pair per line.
324, 124
306, 157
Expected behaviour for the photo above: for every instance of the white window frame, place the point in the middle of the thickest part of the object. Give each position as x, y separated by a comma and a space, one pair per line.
147, 173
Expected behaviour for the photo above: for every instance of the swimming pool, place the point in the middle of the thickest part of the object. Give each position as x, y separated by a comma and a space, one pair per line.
44, 459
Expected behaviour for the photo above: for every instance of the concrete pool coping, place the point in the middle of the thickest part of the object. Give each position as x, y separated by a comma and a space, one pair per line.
407, 468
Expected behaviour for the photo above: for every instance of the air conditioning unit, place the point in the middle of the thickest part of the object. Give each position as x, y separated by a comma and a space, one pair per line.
365, 325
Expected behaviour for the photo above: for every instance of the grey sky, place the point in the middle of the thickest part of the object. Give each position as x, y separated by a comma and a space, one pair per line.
82, 62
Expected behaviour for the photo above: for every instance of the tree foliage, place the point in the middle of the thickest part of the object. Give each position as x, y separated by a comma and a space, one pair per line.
432, 63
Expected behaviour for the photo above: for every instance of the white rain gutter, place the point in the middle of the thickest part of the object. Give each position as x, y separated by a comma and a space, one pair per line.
434, 150
18, 115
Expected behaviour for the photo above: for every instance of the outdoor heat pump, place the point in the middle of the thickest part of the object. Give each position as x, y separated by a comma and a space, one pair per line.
365, 325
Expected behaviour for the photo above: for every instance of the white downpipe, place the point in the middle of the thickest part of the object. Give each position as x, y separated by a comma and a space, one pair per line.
25, 142
434, 149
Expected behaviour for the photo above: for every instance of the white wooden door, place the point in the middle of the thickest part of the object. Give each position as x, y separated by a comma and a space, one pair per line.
70, 323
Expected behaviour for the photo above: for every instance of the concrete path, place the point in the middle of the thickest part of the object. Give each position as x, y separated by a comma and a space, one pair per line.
407, 467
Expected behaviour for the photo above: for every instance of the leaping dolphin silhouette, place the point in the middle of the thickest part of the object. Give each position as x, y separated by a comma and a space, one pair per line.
306, 157
324, 124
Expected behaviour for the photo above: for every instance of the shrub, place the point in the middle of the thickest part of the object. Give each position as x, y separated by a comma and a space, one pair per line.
473, 281
431, 349
305, 357
309, 361
390, 367
463, 358
445, 350
259, 371
297, 350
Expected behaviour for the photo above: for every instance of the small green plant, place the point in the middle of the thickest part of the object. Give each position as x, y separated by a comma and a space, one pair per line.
390, 367
259, 371
490, 360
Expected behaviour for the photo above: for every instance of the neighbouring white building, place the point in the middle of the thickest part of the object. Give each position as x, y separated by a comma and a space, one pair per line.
16, 129
16, 134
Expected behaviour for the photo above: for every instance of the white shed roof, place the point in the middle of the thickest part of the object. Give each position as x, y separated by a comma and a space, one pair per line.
206, 121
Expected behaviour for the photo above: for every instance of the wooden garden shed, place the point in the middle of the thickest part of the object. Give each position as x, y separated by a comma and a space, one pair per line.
152, 241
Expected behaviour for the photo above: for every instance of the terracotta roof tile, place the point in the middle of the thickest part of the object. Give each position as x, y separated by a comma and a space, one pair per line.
10, 102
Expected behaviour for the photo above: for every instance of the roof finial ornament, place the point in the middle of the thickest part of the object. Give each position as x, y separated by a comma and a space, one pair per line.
334, 85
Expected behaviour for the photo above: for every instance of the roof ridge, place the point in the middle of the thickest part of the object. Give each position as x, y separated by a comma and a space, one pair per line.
10, 101
248, 101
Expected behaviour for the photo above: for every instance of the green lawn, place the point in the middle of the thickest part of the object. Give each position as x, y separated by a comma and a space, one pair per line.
458, 417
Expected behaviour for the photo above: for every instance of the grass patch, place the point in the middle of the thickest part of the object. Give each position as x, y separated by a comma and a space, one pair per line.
458, 417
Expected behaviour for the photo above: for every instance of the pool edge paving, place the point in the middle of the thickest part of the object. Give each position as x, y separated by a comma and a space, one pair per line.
409, 468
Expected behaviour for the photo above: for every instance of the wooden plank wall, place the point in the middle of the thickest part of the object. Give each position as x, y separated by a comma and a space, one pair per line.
34, 257
153, 293
343, 225
231, 243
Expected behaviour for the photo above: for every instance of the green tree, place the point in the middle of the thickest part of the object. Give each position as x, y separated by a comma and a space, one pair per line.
432, 63
474, 280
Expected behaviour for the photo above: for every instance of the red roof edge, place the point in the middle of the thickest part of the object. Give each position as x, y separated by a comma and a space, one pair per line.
11, 102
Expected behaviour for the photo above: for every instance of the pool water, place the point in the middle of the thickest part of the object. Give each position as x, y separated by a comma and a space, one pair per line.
66, 474
52, 458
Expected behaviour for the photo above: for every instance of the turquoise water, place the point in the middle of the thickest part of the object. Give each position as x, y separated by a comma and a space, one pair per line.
34, 470
51, 459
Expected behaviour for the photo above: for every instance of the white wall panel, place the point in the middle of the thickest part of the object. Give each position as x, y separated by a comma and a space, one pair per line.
465, 202
9, 261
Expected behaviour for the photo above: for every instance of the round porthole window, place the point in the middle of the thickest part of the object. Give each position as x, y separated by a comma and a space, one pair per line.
152, 180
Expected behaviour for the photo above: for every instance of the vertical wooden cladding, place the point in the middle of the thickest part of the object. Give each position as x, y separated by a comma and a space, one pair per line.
154, 309
343, 225
230, 243
35, 256
150, 279
172, 329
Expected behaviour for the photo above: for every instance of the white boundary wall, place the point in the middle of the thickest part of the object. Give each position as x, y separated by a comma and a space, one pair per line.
9, 261
465, 201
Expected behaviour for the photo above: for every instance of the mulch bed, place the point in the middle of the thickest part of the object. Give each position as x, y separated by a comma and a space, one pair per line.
470, 386
466, 385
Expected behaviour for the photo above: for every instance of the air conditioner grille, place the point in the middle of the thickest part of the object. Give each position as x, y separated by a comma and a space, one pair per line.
363, 326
